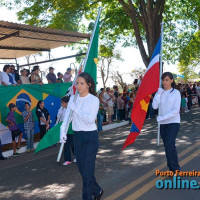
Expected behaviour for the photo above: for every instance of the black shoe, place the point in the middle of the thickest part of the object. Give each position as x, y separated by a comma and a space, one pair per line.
99, 196
3, 158
16, 154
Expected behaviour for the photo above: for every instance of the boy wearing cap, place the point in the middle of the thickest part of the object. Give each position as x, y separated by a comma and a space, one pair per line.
67, 76
14, 129
51, 77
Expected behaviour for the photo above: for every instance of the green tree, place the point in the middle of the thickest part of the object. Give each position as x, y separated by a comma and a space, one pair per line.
136, 22
107, 55
190, 54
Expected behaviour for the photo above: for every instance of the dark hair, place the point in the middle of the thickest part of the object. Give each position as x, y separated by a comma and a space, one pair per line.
50, 68
183, 94
12, 66
27, 103
65, 99
90, 82
58, 74
11, 105
107, 89
115, 87
135, 81
170, 75
38, 104
36, 68
28, 72
124, 94
6, 67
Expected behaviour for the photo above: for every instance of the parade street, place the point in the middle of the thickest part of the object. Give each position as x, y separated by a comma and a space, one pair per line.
124, 175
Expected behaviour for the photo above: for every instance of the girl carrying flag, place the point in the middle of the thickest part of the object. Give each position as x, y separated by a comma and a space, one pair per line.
169, 99
86, 142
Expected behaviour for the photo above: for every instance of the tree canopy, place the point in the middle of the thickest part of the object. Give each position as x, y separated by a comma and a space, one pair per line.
133, 22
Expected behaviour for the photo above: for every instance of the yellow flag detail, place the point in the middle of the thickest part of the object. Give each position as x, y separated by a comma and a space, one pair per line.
96, 60
144, 105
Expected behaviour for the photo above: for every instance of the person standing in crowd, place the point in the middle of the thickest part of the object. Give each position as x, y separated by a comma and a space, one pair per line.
183, 103
1, 155
6, 77
169, 100
198, 92
60, 77
69, 144
101, 113
68, 76
43, 118
24, 78
140, 80
35, 78
86, 142
131, 102
150, 111
136, 85
14, 74
189, 92
109, 100
124, 98
28, 126
51, 77
14, 129
104, 104
116, 93
120, 107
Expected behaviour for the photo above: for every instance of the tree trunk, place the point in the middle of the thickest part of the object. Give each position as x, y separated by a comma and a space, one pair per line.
150, 17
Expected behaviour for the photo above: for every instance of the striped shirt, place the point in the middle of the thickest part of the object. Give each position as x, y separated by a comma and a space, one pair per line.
29, 124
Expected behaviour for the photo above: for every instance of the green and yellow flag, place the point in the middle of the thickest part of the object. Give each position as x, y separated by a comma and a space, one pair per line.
53, 135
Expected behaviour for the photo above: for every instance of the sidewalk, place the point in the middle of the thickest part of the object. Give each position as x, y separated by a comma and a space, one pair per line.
105, 128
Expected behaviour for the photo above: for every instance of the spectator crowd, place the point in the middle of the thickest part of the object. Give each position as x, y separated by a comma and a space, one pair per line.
10, 76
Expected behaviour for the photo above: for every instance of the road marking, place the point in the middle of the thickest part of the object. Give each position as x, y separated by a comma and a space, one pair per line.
146, 176
152, 183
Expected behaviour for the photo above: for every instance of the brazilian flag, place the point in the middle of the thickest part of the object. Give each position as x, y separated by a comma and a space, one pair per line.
19, 95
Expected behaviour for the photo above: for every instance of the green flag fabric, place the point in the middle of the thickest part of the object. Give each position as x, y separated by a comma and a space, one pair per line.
51, 137
91, 63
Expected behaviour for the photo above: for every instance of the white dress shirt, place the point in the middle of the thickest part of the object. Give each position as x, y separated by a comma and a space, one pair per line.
5, 78
83, 118
170, 101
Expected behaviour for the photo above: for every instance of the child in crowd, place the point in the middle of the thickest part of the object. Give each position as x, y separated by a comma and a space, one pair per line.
14, 129
183, 103
28, 126
69, 143
110, 107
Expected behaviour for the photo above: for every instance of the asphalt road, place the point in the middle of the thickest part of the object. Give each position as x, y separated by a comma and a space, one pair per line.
124, 175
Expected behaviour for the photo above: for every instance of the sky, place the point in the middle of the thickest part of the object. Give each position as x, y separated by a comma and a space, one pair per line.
131, 57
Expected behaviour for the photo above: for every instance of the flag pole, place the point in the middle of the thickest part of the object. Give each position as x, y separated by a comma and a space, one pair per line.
83, 69
91, 38
160, 83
